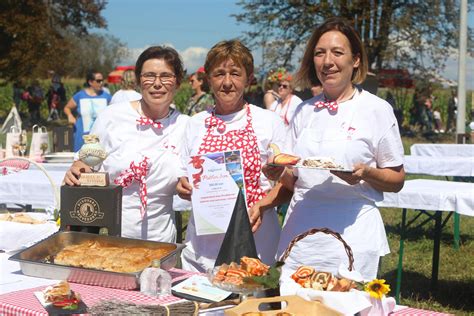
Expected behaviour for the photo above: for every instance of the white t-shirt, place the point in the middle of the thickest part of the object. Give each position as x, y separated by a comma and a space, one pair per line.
286, 112
125, 141
125, 96
364, 130
201, 251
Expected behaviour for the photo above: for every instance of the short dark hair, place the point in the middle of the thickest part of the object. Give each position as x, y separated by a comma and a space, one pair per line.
90, 75
231, 49
306, 75
168, 54
201, 76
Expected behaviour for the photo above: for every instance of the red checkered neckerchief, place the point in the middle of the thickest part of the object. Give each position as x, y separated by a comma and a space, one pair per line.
213, 121
330, 105
144, 121
138, 172
246, 141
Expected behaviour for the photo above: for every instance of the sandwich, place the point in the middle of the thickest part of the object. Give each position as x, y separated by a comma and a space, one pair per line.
61, 295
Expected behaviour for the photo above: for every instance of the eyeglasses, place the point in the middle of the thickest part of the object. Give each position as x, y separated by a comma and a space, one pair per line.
284, 86
99, 80
166, 78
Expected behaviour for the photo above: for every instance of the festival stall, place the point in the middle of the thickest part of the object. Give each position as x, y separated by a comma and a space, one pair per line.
80, 270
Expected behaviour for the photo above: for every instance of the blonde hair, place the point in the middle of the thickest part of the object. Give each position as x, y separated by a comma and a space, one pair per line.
129, 80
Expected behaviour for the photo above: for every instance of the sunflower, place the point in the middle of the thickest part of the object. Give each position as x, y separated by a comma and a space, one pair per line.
377, 288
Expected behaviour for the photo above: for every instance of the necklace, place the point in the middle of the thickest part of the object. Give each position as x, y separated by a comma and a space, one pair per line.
344, 100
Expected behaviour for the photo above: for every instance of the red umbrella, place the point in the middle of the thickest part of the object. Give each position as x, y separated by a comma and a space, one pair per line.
116, 75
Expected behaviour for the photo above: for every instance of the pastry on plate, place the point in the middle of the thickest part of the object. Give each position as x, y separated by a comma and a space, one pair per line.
286, 159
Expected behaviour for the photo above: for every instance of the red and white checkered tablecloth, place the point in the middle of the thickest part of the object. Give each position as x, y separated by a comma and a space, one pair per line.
25, 303
417, 312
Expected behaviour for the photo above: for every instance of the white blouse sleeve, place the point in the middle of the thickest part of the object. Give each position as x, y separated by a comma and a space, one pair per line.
390, 148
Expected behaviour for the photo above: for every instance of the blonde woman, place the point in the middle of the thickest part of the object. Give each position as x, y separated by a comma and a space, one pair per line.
286, 105
127, 92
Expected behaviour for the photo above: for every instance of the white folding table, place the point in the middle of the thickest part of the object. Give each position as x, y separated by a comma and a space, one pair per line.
440, 166
430, 195
31, 186
442, 150
448, 160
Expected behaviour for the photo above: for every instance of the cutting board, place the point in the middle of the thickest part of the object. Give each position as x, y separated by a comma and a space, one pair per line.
295, 305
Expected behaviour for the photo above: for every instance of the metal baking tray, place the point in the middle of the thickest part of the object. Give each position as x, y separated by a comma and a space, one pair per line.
33, 260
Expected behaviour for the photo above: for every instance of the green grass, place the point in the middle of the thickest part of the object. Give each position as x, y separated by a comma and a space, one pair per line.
456, 269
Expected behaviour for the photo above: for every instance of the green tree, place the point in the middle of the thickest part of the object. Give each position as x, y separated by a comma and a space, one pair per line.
412, 34
38, 36
94, 51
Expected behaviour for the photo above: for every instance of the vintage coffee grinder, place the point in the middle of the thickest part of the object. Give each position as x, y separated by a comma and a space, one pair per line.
95, 206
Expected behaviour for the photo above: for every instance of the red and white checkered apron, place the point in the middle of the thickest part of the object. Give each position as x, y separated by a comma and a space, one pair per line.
246, 141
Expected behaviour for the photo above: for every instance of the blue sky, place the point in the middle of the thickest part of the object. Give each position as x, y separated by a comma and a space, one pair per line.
194, 26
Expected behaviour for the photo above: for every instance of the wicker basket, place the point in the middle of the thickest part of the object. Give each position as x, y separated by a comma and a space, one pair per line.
320, 230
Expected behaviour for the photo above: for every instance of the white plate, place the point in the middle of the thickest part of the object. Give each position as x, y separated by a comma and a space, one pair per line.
320, 168
62, 157
298, 165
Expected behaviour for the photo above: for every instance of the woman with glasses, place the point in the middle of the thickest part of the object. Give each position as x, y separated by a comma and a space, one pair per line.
143, 139
232, 124
87, 103
201, 100
286, 105
359, 131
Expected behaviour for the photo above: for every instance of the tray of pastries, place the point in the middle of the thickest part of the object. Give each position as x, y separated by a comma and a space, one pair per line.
93, 259
236, 277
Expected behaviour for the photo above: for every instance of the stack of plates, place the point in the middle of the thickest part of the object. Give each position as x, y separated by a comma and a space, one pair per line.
64, 157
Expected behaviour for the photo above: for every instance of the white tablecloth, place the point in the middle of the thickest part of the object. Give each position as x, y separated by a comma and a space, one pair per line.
31, 186
440, 166
433, 195
443, 150
12, 279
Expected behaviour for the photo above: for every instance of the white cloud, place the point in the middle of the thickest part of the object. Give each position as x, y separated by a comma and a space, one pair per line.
193, 57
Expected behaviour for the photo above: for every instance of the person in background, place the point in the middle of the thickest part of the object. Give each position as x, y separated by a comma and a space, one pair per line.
127, 91
143, 139
359, 131
17, 92
438, 124
105, 87
396, 109
316, 90
34, 97
286, 106
271, 89
254, 95
87, 103
452, 107
201, 100
232, 124
56, 97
